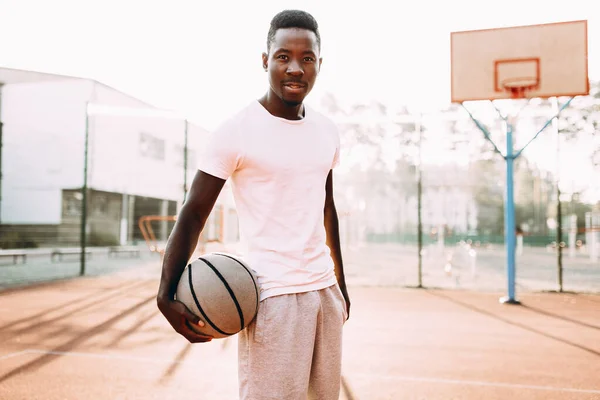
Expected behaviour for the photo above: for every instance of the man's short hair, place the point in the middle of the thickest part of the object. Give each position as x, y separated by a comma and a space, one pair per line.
293, 19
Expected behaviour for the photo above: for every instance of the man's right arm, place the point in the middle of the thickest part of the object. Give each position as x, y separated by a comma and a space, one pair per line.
182, 242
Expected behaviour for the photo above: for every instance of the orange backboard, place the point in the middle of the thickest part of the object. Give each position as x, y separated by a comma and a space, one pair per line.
532, 61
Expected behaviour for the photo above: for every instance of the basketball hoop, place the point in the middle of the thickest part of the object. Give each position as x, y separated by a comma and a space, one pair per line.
157, 246
145, 225
519, 87
520, 62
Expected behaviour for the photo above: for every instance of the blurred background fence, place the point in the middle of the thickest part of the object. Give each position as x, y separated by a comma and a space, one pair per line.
420, 195
434, 176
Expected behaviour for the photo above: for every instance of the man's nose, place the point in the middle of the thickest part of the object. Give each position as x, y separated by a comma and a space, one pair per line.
294, 68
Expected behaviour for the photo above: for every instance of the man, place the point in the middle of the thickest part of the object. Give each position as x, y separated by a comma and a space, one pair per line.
279, 155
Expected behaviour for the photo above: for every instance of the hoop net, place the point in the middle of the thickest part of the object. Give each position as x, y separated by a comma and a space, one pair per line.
519, 87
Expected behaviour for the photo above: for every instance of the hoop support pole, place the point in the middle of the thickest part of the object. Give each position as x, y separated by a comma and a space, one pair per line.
509, 209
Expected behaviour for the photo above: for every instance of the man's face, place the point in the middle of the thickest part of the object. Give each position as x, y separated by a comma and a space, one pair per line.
293, 64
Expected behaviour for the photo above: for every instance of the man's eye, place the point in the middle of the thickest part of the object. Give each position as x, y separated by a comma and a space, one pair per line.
309, 59
282, 57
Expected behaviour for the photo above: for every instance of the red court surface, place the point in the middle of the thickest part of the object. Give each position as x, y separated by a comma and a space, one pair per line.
103, 338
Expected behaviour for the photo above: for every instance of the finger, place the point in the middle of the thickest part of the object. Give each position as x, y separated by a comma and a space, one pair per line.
190, 316
193, 335
193, 318
195, 339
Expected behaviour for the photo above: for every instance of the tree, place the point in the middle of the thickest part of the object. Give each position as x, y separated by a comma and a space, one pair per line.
487, 189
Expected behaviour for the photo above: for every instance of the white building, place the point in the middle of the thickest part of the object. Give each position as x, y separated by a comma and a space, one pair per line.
135, 161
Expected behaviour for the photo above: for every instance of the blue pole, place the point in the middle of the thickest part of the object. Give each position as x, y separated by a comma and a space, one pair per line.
510, 235
509, 218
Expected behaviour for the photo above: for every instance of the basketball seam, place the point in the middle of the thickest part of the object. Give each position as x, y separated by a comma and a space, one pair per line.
198, 303
249, 273
231, 293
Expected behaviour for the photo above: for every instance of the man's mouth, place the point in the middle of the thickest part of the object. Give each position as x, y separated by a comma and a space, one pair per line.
294, 85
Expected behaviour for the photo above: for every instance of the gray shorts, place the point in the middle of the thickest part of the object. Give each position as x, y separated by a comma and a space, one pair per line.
293, 348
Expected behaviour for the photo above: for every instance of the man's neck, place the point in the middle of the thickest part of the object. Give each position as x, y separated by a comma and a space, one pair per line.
275, 106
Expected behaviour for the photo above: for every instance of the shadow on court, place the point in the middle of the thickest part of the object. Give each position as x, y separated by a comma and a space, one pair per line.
103, 338
524, 325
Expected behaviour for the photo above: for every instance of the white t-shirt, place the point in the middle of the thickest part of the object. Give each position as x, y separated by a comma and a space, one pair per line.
278, 170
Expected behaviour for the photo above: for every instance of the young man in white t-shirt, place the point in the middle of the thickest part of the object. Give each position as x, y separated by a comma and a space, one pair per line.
279, 155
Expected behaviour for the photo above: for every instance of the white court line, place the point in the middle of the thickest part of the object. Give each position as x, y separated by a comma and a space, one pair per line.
471, 383
371, 377
15, 354
106, 357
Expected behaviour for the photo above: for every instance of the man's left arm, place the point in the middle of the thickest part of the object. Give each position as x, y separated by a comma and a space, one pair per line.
333, 238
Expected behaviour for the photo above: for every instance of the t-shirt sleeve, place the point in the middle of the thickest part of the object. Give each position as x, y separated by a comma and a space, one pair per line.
221, 155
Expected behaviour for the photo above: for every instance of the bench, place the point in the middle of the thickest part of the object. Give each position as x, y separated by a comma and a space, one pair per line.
132, 250
15, 255
23, 254
59, 253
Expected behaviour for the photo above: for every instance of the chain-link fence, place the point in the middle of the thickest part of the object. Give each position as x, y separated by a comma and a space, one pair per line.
427, 195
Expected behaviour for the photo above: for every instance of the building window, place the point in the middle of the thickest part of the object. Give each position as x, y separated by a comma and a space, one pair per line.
72, 203
100, 205
152, 147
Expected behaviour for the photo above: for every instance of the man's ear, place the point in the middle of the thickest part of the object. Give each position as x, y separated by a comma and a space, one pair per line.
265, 61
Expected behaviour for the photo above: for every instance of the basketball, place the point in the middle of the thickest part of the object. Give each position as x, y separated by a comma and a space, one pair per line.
222, 291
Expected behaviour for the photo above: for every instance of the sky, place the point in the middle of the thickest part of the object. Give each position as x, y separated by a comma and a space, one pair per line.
203, 58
